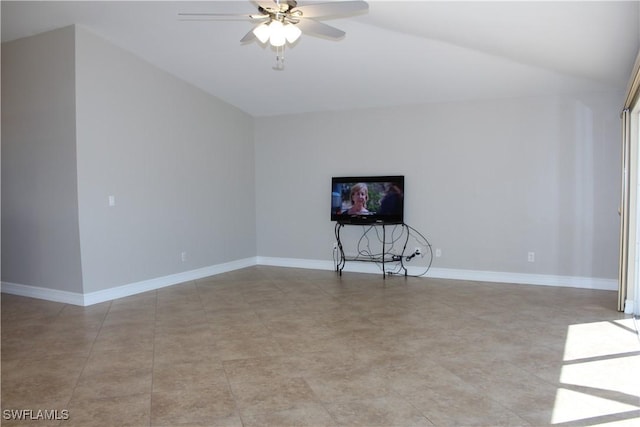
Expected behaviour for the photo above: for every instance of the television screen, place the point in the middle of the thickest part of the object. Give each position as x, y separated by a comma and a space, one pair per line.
367, 199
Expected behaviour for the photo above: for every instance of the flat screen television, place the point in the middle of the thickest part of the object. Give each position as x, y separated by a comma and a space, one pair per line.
367, 199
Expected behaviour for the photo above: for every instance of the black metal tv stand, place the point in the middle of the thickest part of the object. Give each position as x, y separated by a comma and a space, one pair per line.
384, 257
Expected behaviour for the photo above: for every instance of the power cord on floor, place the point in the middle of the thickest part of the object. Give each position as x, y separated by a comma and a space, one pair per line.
395, 249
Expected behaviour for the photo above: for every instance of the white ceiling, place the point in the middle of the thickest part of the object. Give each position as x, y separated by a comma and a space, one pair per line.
399, 53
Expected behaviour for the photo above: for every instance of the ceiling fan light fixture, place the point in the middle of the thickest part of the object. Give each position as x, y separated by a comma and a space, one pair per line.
262, 32
291, 32
282, 21
277, 37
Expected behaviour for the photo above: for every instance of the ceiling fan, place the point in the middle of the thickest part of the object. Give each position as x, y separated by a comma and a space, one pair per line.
283, 21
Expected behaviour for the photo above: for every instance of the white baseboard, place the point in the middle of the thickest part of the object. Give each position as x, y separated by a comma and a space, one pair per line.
162, 282
55, 295
96, 297
456, 274
296, 263
525, 279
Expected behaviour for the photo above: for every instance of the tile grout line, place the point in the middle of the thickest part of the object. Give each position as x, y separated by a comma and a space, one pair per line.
88, 357
226, 374
153, 357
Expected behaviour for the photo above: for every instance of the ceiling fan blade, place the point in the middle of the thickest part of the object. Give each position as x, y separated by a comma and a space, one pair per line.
248, 37
322, 10
220, 16
310, 26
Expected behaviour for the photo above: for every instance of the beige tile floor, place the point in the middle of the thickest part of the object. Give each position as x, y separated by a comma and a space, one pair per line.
282, 347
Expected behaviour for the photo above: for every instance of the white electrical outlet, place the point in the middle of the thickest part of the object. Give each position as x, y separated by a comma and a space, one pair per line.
112, 200
438, 252
531, 257
183, 256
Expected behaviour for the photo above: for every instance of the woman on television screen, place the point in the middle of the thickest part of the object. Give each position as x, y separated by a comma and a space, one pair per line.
359, 196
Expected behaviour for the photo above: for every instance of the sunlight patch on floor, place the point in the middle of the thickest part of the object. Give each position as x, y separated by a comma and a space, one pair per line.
572, 406
599, 382
589, 340
620, 374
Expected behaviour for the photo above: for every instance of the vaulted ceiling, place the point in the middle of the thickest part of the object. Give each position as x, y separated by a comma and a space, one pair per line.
399, 53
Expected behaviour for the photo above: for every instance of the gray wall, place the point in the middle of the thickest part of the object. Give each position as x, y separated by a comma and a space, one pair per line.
40, 235
487, 182
179, 163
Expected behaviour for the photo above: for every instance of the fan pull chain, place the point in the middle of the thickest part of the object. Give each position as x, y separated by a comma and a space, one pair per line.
279, 58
